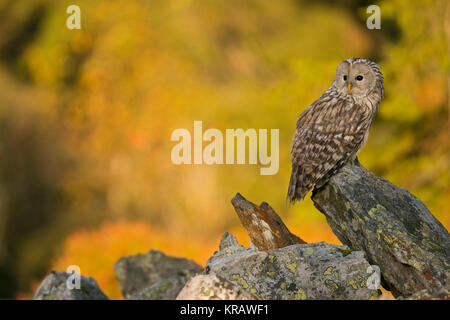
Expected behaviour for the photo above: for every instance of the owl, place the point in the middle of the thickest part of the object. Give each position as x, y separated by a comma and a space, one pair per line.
332, 130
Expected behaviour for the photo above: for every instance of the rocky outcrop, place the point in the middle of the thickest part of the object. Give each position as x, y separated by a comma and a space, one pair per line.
297, 272
153, 275
60, 286
395, 229
389, 238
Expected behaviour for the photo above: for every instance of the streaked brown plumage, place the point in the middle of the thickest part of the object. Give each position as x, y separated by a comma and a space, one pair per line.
332, 130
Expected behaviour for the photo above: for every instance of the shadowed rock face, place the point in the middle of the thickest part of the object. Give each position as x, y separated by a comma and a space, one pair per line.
296, 272
164, 289
141, 271
394, 228
54, 287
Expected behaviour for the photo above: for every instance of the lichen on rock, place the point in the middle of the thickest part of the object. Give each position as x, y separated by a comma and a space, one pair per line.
301, 271
212, 287
394, 228
54, 287
142, 271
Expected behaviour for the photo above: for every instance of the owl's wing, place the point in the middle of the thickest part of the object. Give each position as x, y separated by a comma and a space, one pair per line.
329, 133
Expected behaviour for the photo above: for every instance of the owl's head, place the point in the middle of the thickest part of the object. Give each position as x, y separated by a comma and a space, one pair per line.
359, 77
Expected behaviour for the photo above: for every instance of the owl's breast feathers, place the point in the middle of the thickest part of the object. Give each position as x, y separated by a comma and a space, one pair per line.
329, 133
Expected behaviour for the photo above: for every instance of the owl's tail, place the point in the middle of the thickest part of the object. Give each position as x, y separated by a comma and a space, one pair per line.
296, 191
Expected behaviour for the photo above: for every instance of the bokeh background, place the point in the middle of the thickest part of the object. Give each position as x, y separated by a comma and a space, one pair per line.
86, 117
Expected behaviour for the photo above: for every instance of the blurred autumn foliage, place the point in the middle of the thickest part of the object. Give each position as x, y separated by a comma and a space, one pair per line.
86, 117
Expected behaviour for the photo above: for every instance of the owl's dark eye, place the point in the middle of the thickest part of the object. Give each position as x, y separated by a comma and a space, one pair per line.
359, 78
345, 78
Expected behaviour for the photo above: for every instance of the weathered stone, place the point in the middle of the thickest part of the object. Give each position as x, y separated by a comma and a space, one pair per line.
164, 289
301, 271
228, 240
212, 287
394, 228
141, 271
54, 287
441, 294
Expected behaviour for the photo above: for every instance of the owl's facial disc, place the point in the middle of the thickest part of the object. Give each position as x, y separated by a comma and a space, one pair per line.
360, 79
354, 79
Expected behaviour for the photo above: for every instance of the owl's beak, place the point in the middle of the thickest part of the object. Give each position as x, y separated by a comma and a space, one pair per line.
349, 87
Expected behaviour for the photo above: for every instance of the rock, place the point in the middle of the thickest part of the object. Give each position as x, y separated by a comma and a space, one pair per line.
54, 287
212, 287
441, 294
141, 271
300, 271
164, 289
394, 228
229, 240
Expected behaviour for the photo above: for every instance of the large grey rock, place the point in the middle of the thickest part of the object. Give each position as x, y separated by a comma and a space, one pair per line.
141, 271
54, 287
394, 228
212, 287
164, 289
301, 271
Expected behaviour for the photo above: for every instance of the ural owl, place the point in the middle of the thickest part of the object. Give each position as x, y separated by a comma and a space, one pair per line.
332, 130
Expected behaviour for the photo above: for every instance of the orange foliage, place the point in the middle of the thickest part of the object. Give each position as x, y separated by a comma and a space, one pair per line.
431, 93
